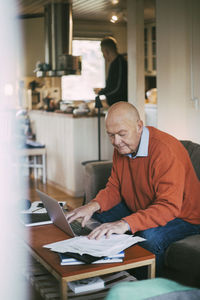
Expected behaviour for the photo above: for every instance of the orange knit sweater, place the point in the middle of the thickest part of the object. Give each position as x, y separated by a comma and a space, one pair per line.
157, 188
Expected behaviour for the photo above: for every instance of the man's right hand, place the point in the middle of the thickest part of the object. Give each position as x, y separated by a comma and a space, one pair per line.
97, 90
85, 212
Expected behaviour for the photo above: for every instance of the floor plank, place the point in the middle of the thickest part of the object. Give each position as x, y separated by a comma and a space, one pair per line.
52, 191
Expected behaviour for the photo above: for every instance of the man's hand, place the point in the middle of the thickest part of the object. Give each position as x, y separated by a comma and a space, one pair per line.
85, 212
107, 229
96, 90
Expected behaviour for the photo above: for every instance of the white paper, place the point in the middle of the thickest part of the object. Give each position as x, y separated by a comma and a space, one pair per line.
103, 247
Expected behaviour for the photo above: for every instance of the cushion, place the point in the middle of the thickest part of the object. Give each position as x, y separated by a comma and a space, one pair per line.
184, 256
154, 289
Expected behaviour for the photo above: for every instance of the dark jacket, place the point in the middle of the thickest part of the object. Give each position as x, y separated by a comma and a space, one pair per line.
116, 82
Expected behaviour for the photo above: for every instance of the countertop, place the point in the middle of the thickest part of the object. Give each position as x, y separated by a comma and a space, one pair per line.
68, 115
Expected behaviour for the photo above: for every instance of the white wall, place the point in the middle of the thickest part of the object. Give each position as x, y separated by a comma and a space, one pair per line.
176, 111
33, 42
135, 41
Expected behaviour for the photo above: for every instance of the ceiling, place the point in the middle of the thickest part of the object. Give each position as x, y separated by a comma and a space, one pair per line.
99, 10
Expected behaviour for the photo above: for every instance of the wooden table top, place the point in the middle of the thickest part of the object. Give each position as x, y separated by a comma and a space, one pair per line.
46, 234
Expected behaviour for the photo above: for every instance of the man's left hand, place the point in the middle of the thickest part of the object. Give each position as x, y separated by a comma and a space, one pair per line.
107, 229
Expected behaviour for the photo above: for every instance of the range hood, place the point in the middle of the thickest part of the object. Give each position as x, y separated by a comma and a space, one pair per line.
58, 42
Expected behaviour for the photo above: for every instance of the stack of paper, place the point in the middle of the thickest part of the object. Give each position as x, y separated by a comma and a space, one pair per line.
102, 247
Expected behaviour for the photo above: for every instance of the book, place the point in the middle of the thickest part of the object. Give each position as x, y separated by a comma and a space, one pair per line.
88, 284
108, 260
86, 258
67, 260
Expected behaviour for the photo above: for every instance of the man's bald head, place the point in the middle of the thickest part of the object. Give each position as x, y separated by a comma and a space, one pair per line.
124, 127
125, 110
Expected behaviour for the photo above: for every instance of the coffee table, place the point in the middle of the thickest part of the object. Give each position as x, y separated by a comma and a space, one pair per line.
135, 256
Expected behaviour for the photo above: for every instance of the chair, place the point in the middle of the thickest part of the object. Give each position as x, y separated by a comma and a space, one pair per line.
36, 158
96, 177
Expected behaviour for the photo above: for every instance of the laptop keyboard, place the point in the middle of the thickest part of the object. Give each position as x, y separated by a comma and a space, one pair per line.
78, 229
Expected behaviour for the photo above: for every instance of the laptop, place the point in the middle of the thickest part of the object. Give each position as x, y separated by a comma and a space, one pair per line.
57, 216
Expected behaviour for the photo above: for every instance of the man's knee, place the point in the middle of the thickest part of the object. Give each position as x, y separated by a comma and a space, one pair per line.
154, 240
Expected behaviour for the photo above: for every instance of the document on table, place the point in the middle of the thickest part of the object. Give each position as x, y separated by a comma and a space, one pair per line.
102, 247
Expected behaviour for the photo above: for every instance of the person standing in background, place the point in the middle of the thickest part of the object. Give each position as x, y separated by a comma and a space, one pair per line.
116, 82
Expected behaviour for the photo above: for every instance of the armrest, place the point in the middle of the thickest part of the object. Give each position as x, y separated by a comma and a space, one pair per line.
194, 153
96, 177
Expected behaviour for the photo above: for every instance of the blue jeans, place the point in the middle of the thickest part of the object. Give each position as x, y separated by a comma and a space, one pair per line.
157, 238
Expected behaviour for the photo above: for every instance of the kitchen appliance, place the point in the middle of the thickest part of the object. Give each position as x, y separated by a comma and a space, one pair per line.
58, 42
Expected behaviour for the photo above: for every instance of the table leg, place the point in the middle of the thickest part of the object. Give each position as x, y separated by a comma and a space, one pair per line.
152, 269
44, 168
63, 290
35, 167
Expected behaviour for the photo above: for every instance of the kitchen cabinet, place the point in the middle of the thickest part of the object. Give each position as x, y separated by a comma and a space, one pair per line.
150, 49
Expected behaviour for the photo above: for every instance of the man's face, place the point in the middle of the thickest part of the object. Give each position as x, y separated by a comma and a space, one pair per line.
105, 53
124, 134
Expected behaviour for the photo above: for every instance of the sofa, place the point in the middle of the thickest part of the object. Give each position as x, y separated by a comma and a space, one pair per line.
182, 258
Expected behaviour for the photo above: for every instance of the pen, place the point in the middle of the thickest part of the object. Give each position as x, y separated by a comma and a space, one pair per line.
37, 209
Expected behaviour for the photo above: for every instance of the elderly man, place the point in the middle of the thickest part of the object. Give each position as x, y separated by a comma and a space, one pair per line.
153, 189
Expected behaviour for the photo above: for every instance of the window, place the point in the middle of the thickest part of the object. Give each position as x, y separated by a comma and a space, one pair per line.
80, 87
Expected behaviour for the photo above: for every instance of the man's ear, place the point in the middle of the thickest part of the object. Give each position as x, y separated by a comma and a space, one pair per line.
139, 126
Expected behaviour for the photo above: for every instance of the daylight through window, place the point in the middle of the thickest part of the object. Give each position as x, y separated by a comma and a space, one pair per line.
80, 87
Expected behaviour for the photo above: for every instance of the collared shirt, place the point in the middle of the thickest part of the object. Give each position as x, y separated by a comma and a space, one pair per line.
144, 144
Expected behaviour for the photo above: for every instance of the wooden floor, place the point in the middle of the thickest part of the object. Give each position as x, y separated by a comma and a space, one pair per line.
54, 192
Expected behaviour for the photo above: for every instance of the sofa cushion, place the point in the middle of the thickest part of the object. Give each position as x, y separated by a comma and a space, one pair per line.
184, 256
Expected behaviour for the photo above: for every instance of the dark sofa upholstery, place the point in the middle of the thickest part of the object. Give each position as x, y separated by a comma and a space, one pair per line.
182, 257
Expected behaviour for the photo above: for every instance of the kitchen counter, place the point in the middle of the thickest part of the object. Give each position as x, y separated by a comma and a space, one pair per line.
61, 113
69, 141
